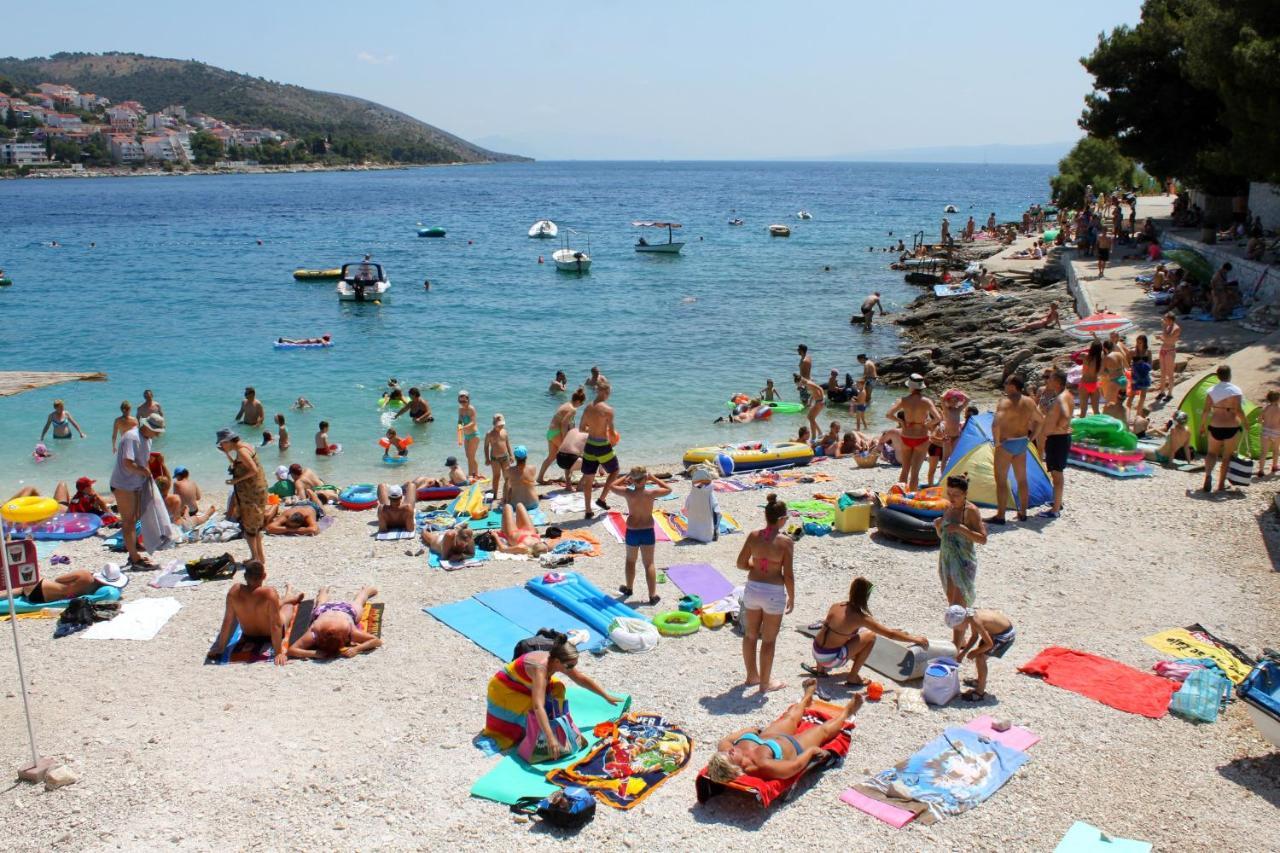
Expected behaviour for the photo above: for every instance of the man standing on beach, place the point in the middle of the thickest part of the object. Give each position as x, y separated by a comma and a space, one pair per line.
1016, 418
946, 231
597, 453
1054, 437
1104, 250
806, 367
251, 413
869, 306
870, 374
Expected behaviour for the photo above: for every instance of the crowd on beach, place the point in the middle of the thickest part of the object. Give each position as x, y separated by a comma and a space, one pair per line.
582, 439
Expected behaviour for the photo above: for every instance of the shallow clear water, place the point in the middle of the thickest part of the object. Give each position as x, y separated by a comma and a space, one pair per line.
178, 297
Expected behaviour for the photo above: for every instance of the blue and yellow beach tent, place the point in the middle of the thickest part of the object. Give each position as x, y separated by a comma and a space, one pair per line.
975, 455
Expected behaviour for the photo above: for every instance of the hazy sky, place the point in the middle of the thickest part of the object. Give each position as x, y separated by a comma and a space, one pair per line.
605, 79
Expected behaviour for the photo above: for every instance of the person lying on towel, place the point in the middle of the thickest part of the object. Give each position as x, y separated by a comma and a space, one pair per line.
335, 628
72, 584
259, 610
518, 535
395, 513
299, 519
453, 545
777, 751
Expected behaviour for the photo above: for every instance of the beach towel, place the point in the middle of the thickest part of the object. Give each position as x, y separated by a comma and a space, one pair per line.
140, 619
1086, 838
563, 503
481, 625
733, 484
817, 511
394, 535
634, 756
434, 561
1101, 679
158, 532
174, 576
1190, 643
1015, 737
951, 774
512, 778
767, 791
564, 545
521, 607
676, 526
616, 523
700, 579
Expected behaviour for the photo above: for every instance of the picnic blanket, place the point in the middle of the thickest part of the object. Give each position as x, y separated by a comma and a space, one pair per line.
634, 756
140, 619
513, 778
1195, 642
951, 774
1104, 680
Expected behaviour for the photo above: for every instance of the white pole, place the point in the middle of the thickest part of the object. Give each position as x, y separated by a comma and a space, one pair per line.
17, 651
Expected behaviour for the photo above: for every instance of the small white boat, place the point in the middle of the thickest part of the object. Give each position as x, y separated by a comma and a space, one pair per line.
363, 282
737, 221
804, 214
543, 229
780, 230
951, 208
571, 260
668, 248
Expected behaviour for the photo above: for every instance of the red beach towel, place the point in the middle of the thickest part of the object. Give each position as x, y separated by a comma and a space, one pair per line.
1107, 681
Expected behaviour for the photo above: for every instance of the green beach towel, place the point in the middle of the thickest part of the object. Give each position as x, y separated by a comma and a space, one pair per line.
810, 510
512, 778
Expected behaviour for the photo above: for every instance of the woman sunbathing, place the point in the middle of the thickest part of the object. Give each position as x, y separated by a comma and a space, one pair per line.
778, 751
335, 628
452, 545
518, 534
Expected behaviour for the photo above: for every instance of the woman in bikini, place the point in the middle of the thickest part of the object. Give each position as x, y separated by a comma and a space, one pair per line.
779, 750
920, 416
561, 422
518, 534
816, 399
1090, 385
1169, 334
468, 432
452, 545
1115, 364
1224, 420
849, 632
497, 454
335, 629
770, 592
122, 424
61, 422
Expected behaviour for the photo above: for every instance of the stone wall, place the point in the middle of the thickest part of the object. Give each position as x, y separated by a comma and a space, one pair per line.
1264, 201
1259, 283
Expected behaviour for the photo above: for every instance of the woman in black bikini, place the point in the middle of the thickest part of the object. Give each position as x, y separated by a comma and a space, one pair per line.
848, 633
73, 584
1224, 419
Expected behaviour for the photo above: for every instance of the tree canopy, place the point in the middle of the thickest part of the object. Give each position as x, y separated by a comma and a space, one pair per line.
1092, 161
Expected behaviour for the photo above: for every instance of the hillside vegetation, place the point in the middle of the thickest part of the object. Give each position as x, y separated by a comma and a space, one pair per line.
357, 126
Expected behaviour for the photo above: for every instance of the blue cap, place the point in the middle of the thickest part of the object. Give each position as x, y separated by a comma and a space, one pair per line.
521, 452
179, 471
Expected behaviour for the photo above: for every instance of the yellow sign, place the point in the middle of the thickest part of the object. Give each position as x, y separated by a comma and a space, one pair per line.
1179, 642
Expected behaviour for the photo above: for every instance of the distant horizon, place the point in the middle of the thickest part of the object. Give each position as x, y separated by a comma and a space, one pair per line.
741, 82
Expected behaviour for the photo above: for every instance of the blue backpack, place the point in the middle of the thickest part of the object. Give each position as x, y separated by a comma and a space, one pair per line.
568, 808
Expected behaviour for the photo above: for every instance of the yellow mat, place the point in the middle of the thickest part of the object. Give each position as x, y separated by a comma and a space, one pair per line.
1180, 643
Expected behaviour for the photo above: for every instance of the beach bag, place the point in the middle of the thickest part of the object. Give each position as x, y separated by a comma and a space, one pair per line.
543, 641
941, 681
569, 808
1201, 696
533, 747
633, 635
212, 568
1239, 468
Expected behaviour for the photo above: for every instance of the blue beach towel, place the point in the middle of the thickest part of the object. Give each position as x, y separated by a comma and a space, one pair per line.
489, 630
434, 561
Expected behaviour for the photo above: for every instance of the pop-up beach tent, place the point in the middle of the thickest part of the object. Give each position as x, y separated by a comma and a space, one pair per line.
975, 455
1193, 405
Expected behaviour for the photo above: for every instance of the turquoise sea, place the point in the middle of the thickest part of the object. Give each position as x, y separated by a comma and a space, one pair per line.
178, 296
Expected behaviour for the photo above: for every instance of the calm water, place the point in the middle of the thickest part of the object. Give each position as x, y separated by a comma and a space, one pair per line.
178, 297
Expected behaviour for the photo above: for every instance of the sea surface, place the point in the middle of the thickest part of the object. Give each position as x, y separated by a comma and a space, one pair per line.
178, 296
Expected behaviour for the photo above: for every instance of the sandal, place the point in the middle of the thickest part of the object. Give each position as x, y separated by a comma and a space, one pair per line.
816, 671
973, 695
625, 590
141, 565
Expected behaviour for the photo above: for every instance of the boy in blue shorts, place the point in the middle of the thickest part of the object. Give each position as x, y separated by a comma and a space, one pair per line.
640, 536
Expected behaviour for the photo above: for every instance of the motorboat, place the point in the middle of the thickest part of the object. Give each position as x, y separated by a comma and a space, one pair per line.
431, 231
363, 282
569, 259
780, 230
737, 221
951, 208
668, 248
543, 229
804, 214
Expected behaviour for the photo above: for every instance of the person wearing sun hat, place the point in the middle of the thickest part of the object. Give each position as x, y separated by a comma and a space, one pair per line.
73, 584
250, 486
283, 487
130, 477
920, 417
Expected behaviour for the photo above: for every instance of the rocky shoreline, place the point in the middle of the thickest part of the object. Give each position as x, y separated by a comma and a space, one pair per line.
966, 340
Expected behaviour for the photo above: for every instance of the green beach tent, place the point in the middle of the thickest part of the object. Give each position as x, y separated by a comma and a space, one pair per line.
1193, 405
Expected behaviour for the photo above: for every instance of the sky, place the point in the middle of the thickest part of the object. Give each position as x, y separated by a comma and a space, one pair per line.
600, 79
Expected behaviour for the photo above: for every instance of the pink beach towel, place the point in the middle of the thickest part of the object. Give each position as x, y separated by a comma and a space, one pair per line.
1107, 681
616, 523
1015, 738
892, 815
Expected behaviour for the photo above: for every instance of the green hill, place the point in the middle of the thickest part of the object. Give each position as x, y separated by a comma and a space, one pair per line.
353, 126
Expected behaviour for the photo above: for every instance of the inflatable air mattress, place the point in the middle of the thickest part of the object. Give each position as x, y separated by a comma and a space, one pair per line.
315, 345
62, 527
580, 597
437, 493
100, 596
904, 527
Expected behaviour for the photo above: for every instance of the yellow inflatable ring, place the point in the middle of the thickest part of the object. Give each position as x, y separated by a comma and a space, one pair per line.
30, 509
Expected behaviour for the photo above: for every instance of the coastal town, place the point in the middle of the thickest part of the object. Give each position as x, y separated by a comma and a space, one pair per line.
57, 127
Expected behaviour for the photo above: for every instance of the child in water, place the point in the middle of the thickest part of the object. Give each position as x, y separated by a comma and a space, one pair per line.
282, 432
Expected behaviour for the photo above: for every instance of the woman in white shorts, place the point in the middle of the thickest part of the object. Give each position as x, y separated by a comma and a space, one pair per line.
771, 591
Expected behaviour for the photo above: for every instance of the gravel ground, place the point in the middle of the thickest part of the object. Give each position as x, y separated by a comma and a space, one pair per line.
375, 752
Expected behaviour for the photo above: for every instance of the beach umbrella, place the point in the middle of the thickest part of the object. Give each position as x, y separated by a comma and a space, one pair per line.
1099, 325
1196, 265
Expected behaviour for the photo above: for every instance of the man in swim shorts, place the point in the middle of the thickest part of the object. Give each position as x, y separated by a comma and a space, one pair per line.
869, 374
335, 628
1054, 436
1017, 417
300, 519
869, 306
251, 413
597, 452
640, 536
259, 611
395, 510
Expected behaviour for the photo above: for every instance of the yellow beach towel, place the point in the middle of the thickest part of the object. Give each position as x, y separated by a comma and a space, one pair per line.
1180, 643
